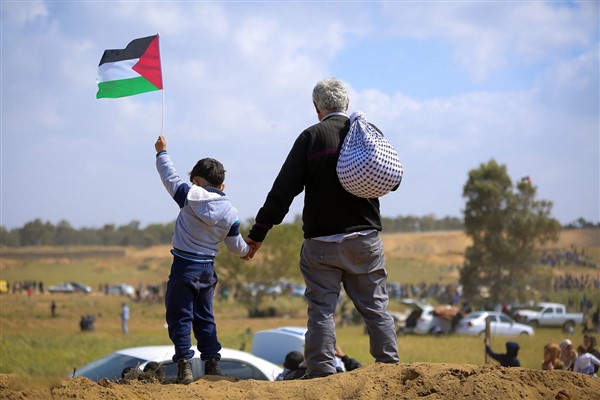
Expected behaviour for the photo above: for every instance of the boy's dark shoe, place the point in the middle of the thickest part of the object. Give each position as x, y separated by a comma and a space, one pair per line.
184, 373
211, 367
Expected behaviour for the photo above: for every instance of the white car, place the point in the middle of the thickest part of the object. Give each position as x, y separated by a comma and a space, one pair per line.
70, 287
233, 363
500, 324
121, 289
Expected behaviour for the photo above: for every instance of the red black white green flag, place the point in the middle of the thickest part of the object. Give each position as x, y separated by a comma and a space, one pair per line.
130, 71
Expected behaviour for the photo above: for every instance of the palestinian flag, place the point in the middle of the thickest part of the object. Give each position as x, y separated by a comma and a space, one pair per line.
133, 70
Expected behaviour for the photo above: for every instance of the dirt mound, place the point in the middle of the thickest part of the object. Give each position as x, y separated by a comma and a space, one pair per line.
374, 381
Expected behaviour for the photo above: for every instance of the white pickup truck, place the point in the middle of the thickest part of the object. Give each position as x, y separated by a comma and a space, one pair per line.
549, 314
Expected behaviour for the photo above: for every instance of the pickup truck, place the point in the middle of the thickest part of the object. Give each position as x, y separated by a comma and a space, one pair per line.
549, 314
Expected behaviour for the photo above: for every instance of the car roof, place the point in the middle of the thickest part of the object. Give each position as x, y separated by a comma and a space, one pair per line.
150, 353
546, 304
478, 314
165, 353
288, 330
475, 314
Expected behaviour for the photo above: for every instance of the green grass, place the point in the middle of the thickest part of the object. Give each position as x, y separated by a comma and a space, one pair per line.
32, 344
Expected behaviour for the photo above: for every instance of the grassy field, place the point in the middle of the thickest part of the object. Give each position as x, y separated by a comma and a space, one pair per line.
35, 345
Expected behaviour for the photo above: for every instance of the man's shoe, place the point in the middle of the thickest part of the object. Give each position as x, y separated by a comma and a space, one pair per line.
211, 367
184, 373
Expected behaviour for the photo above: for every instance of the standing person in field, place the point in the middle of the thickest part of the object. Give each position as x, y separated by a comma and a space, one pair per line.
341, 235
124, 318
206, 217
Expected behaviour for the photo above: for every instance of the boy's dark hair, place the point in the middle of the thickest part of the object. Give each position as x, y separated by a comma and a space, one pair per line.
209, 169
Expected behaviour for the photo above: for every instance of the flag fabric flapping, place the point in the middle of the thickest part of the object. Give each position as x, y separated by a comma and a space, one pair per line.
133, 70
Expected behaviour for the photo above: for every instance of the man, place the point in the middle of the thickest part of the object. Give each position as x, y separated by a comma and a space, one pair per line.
124, 318
341, 232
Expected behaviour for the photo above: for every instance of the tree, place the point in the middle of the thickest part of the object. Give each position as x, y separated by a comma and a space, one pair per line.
505, 223
64, 234
277, 259
36, 233
9, 238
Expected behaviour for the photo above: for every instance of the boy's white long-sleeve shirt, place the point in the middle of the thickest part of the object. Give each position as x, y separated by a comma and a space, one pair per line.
206, 216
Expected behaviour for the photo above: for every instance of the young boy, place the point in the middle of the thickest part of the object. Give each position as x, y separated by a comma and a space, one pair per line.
206, 217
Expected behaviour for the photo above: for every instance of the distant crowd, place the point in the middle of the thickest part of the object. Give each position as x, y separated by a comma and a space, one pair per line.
573, 256
444, 294
571, 281
26, 286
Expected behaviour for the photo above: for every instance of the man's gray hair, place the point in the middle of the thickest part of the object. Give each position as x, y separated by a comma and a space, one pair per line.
330, 95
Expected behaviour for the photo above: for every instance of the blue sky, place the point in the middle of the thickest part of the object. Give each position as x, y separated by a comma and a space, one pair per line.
451, 84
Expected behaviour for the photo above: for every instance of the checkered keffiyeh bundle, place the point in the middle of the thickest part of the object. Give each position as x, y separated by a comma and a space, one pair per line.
368, 165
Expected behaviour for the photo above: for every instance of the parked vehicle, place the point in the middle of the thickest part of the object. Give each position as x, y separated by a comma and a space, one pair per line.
70, 287
297, 290
549, 314
426, 319
255, 289
233, 363
500, 324
274, 344
121, 289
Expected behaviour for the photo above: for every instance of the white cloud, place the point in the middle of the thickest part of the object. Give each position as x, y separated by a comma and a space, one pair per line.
572, 85
22, 14
488, 36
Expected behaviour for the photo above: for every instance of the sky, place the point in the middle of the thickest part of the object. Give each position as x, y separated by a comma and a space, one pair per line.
452, 84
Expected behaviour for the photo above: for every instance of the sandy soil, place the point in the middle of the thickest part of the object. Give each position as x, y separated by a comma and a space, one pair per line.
373, 382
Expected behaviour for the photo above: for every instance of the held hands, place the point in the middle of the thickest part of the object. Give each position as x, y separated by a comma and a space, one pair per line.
161, 144
254, 246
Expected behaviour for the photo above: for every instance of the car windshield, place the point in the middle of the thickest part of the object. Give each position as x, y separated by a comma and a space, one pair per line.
241, 370
110, 367
538, 308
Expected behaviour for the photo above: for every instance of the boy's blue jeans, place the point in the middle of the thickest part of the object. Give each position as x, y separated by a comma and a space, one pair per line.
188, 301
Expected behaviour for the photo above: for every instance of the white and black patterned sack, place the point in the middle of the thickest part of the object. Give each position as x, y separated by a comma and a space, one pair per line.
368, 165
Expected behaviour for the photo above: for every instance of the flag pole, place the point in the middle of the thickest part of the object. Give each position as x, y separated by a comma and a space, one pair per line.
162, 119
162, 127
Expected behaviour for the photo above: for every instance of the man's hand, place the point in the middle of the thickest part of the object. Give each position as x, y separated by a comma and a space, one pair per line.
254, 246
161, 144
339, 352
